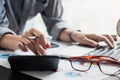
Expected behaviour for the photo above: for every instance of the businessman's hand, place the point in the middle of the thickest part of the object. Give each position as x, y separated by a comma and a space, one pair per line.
92, 39
38, 45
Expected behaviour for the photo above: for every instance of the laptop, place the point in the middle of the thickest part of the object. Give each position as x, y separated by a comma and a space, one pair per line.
107, 51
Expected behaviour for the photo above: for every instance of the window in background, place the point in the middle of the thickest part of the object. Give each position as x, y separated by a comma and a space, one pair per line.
93, 16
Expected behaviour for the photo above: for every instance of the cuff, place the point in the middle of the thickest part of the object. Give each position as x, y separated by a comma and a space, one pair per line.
4, 31
57, 29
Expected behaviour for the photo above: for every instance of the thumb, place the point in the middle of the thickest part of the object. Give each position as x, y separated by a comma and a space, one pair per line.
47, 44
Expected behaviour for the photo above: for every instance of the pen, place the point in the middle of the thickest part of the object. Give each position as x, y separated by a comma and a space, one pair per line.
48, 38
33, 37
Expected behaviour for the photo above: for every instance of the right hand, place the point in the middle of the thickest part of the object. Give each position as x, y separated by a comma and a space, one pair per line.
38, 46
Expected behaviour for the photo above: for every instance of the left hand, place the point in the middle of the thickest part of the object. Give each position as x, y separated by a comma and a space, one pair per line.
92, 39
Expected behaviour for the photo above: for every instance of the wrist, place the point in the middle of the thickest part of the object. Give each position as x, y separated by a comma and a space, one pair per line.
72, 35
68, 35
9, 41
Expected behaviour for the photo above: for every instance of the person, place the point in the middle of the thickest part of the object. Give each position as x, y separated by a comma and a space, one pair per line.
15, 13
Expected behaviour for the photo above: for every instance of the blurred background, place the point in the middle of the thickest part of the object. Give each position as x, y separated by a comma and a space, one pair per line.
90, 16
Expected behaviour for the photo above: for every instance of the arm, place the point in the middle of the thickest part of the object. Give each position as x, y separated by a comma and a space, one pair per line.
61, 31
9, 41
52, 16
7, 37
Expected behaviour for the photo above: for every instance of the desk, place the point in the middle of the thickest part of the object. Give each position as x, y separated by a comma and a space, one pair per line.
65, 72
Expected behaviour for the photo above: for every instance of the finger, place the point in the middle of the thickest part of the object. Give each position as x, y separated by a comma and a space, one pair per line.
99, 38
28, 44
86, 41
41, 39
48, 44
40, 50
27, 34
31, 46
22, 47
107, 41
93, 37
38, 53
34, 32
110, 38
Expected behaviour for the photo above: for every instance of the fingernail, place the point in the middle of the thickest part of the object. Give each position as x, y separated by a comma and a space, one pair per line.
45, 53
112, 46
38, 53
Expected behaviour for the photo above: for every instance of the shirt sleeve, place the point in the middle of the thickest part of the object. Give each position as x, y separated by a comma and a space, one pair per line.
52, 16
4, 23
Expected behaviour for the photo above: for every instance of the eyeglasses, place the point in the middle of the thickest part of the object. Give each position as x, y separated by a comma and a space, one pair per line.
106, 64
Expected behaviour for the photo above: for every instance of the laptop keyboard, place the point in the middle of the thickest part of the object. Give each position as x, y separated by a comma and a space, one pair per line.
106, 51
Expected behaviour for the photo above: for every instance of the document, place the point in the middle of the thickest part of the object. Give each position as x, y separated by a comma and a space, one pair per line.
65, 71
